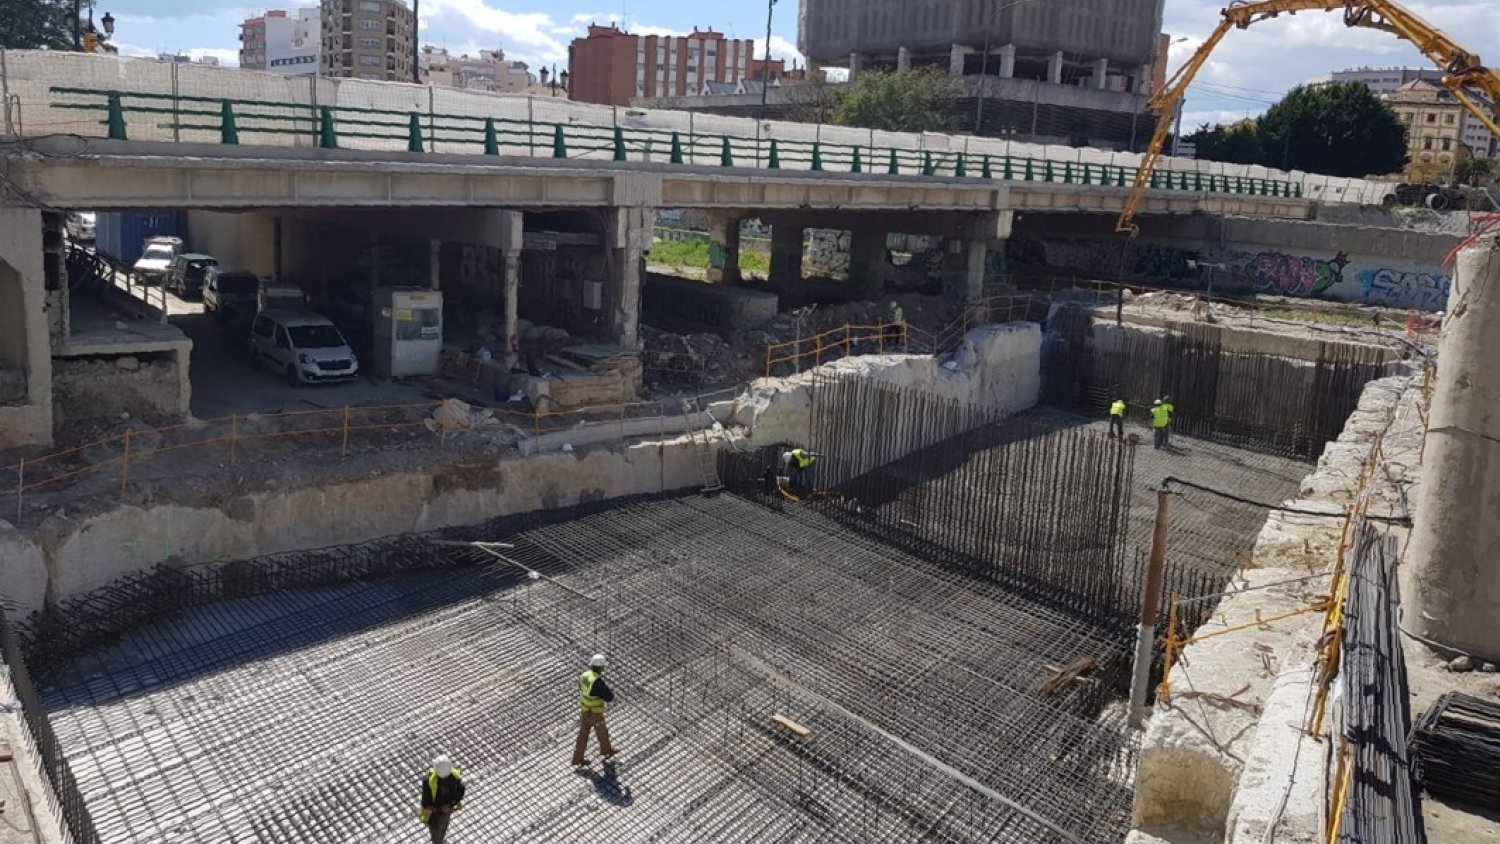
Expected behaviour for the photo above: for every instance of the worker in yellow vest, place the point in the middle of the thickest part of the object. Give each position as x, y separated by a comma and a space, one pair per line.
442, 795
593, 694
797, 462
1161, 420
1117, 419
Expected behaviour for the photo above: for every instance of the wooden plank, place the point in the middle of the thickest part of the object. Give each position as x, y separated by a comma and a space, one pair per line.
798, 729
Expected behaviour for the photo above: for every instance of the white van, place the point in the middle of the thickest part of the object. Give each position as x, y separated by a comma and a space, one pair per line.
303, 346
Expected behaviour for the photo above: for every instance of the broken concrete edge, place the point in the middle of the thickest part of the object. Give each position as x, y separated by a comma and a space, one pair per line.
998, 366
1205, 771
22, 778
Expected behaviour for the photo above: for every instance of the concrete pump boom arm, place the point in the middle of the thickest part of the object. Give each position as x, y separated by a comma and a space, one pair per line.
1463, 73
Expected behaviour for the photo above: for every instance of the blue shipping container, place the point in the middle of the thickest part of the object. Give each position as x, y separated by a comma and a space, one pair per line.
119, 234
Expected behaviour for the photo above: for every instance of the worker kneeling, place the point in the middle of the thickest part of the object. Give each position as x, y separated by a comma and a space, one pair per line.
593, 694
797, 463
442, 794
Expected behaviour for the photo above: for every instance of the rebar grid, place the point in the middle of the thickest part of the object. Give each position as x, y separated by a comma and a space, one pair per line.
308, 714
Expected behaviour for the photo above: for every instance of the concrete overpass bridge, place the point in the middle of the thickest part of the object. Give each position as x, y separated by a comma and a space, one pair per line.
272, 168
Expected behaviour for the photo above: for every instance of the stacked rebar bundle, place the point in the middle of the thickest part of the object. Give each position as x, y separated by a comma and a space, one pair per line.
1381, 804
1455, 748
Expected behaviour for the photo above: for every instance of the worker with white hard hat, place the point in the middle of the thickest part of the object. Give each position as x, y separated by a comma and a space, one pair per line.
593, 694
442, 795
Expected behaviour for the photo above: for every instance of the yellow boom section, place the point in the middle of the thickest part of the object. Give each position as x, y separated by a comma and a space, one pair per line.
1463, 73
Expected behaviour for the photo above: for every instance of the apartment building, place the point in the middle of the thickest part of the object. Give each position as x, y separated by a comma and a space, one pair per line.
367, 39
612, 66
1434, 130
282, 42
489, 71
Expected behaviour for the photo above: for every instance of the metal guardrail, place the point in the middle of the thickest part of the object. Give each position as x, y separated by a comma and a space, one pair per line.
421, 131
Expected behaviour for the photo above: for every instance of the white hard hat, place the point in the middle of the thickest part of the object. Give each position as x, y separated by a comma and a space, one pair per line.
442, 765
598, 661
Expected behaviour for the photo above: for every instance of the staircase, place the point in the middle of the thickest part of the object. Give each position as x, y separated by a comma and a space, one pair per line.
708, 463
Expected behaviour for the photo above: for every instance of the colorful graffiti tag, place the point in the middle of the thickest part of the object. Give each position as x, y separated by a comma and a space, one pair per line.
1288, 275
1405, 289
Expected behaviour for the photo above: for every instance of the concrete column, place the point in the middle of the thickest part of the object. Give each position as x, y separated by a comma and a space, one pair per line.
1008, 61
956, 56
867, 266
786, 254
903, 59
1055, 68
1449, 587
25, 344
1143, 79
973, 269
434, 263
374, 259
630, 231
856, 61
1101, 73
724, 249
511, 281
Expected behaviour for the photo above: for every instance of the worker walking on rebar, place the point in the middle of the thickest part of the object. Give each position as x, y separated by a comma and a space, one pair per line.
798, 462
1161, 421
593, 694
1117, 419
442, 795
895, 327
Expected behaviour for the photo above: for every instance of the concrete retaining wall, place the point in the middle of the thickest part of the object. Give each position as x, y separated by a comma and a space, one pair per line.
1374, 266
65, 556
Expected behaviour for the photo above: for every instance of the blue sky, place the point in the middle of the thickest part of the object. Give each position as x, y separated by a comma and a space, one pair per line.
1248, 71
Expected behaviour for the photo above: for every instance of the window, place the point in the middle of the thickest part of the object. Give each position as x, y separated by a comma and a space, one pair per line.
1448, 119
370, 61
1426, 143
1447, 144
369, 25
369, 6
1432, 118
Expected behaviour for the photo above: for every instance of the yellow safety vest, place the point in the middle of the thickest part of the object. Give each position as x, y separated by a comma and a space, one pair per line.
1118, 408
802, 458
1161, 414
586, 700
425, 814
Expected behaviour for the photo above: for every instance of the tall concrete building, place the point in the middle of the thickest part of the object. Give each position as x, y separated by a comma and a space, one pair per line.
612, 66
281, 42
367, 39
1110, 45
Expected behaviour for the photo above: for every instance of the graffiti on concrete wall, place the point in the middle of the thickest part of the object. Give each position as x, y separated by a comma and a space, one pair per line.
1406, 289
1167, 262
1287, 275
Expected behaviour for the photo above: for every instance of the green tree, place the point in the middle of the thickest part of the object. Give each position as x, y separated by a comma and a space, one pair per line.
1475, 172
32, 24
914, 101
1237, 143
1339, 130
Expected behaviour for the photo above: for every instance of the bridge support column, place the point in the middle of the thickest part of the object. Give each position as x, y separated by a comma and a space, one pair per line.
956, 56
504, 230
786, 255
1101, 74
724, 249
1008, 61
434, 263
903, 59
1055, 68
630, 232
25, 344
867, 265
1448, 587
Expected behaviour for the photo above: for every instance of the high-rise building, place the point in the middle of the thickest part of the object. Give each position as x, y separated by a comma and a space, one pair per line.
1477, 138
281, 42
489, 71
367, 39
1111, 45
612, 66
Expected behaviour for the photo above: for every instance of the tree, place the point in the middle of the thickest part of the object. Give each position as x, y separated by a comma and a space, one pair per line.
809, 101
1339, 130
33, 24
1475, 172
1236, 143
913, 101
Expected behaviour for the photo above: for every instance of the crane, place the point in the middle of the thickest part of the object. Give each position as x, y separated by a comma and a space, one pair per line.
1463, 74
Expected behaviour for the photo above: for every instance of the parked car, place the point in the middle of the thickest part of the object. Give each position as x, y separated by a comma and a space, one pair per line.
303, 346
80, 226
185, 273
156, 256
229, 292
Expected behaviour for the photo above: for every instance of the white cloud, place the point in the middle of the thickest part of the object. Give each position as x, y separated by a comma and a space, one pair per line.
529, 36
780, 49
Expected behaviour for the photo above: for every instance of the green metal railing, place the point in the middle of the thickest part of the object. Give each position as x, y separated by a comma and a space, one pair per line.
424, 132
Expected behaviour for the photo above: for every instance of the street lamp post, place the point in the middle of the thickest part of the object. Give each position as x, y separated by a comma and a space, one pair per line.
765, 64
